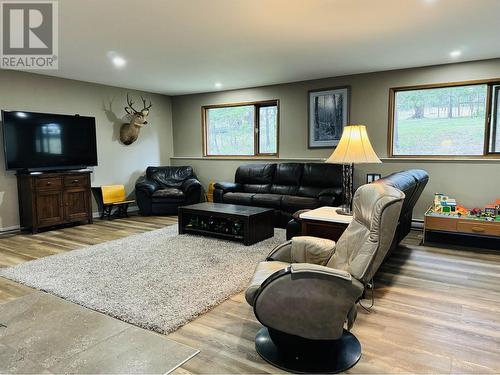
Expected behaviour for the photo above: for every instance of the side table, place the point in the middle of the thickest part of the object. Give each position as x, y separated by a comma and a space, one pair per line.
324, 222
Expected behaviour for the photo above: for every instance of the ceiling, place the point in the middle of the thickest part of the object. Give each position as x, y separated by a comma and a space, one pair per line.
187, 46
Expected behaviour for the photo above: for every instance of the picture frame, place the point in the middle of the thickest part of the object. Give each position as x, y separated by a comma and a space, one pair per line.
372, 177
328, 113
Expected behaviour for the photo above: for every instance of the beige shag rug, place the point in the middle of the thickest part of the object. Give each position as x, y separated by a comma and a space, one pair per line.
157, 280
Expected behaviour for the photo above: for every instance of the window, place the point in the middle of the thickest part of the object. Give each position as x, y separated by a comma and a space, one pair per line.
452, 120
245, 129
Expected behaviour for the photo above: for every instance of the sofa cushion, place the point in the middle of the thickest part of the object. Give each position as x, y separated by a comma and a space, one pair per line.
267, 200
238, 198
291, 203
287, 178
172, 195
256, 188
318, 176
169, 193
255, 178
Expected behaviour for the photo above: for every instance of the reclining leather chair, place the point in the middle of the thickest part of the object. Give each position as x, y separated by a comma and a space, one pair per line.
308, 287
163, 189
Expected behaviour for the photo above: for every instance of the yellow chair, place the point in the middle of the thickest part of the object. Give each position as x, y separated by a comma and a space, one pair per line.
210, 192
112, 196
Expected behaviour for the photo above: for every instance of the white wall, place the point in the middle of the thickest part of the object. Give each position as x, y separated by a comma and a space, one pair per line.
473, 183
118, 164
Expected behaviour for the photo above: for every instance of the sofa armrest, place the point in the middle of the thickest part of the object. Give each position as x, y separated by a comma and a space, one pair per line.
146, 185
330, 191
293, 228
228, 186
192, 189
189, 185
304, 249
282, 253
296, 214
316, 268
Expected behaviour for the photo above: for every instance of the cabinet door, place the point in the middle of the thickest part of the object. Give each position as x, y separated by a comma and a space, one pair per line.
49, 207
76, 204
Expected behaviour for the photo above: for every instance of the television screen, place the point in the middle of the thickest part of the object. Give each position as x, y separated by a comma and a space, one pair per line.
42, 141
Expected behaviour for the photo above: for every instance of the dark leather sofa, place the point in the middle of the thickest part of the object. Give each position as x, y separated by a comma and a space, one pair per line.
163, 189
411, 182
285, 187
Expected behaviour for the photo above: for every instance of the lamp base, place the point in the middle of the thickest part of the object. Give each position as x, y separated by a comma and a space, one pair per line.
347, 171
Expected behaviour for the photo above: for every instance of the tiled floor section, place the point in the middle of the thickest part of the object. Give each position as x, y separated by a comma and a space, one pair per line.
40, 333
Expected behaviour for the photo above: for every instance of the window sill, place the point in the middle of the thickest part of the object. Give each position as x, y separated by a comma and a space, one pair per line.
441, 160
275, 158
321, 160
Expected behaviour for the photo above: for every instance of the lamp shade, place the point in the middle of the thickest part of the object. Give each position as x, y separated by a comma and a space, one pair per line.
354, 147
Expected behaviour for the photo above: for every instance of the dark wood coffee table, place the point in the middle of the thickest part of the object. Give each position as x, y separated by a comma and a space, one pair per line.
233, 222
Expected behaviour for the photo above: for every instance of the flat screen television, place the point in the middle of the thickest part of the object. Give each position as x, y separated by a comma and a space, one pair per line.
45, 141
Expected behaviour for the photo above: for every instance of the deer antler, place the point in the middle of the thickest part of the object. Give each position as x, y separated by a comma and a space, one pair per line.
144, 103
130, 103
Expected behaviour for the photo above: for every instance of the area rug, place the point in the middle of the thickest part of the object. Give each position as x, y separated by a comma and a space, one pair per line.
157, 280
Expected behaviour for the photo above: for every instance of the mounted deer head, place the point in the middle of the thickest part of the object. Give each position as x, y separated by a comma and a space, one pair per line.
129, 132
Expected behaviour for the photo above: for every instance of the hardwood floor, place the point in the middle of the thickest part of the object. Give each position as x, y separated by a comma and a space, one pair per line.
437, 310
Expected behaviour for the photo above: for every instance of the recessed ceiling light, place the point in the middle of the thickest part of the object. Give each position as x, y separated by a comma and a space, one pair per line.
119, 61
456, 53
218, 85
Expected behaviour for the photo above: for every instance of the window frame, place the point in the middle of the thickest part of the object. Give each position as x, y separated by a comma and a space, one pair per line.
493, 92
487, 128
256, 126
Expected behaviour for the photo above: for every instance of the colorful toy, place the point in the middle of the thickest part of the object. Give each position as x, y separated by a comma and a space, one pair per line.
475, 212
444, 204
490, 210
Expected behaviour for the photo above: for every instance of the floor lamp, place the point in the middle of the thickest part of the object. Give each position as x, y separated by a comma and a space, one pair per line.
354, 148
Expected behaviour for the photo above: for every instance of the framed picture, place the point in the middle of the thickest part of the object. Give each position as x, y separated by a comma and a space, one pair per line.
371, 177
328, 114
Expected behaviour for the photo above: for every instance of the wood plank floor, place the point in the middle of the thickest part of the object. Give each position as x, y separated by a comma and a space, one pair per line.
437, 309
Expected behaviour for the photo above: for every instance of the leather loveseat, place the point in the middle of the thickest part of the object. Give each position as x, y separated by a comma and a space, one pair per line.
285, 187
163, 189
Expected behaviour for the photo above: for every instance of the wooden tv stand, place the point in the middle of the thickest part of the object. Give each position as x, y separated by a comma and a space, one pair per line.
54, 198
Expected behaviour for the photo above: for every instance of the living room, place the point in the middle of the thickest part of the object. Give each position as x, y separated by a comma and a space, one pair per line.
208, 187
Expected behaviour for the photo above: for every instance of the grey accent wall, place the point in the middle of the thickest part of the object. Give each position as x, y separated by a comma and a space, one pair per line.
473, 183
118, 164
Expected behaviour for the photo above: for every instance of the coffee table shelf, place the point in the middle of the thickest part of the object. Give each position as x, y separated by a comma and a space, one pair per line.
213, 233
